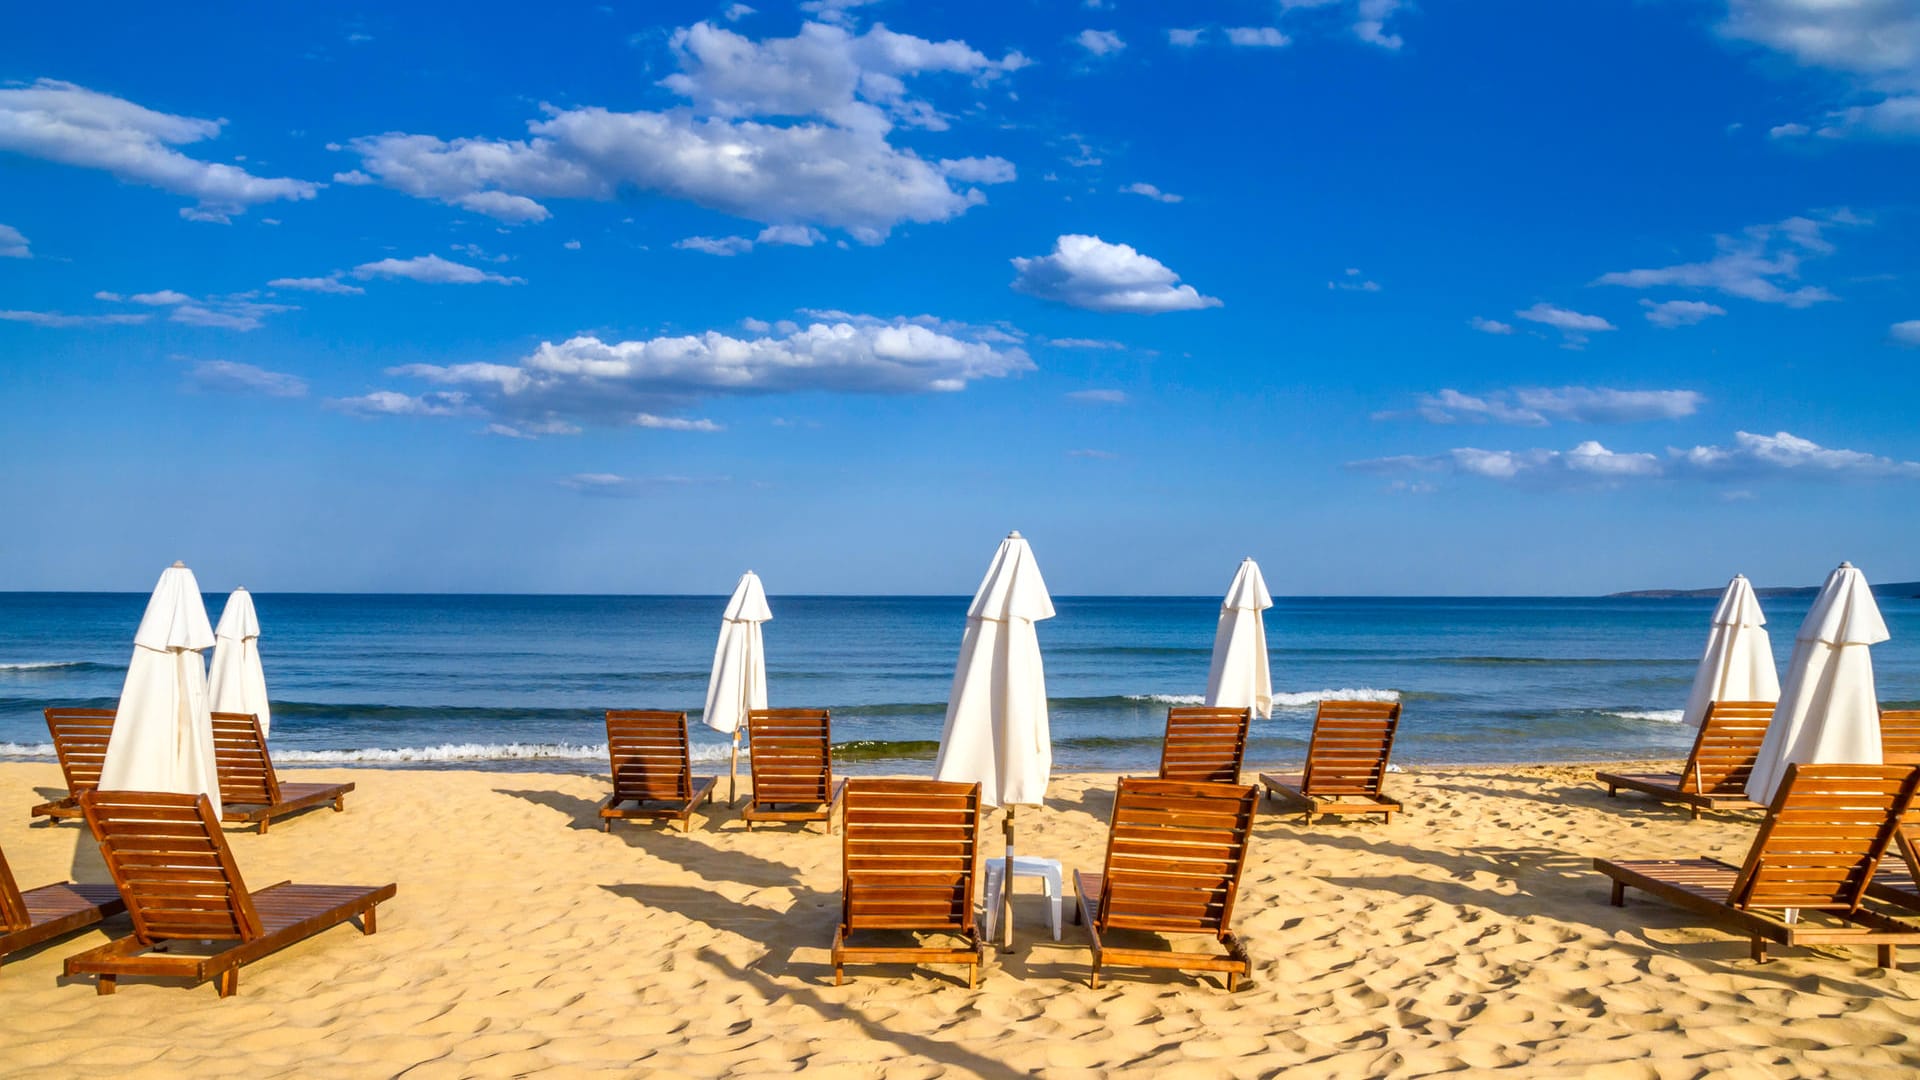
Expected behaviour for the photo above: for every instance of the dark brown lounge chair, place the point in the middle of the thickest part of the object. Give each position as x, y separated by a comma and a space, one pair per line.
80, 742
193, 916
1900, 736
910, 862
50, 911
652, 764
1715, 775
1175, 853
1204, 744
1346, 761
250, 791
1825, 832
791, 765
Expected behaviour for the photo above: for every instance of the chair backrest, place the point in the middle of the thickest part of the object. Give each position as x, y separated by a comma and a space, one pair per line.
1900, 736
1175, 851
649, 752
1352, 741
13, 907
172, 866
1204, 744
80, 739
1726, 747
1824, 833
240, 757
909, 852
791, 758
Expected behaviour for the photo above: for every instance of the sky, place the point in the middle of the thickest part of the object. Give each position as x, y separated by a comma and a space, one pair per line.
1396, 297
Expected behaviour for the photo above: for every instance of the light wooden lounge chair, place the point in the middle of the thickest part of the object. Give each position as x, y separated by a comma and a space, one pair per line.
1816, 851
1204, 744
193, 916
791, 766
1175, 852
1715, 775
910, 859
50, 911
1900, 736
250, 791
80, 742
652, 764
1346, 761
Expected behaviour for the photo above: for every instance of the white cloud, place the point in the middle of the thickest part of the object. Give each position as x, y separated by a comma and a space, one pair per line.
978, 170
1364, 19
352, 177
829, 162
1152, 192
61, 122
1785, 453
1573, 325
394, 403
316, 284
1099, 397
644, 382
1099, 42
1266, 37
433, 270
571, 245
226, 376
1874, 45
1749, 457
13, 245
1490, 326
1085, 343
1672, 313
1587, 464
736, 12
237, 311
792, 235
715, 245
1756, 265
1906, 333
1788, 131
531, 430
1087, 272
162, 298
614, 485
56, 319
1539, 406
1351, 281
1186, 39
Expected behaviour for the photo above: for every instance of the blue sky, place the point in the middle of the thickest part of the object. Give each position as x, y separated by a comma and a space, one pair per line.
1395, 297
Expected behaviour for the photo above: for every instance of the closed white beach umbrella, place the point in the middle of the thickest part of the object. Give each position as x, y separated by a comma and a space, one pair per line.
739, 679
996, 731
237, 683
1828, 711
1239, 677
1738, 662
163, 730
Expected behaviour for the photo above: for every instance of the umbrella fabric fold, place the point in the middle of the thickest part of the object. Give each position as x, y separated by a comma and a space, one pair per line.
1239, 676
996, 728
237, 682
163, 729
739, 679
1737, 664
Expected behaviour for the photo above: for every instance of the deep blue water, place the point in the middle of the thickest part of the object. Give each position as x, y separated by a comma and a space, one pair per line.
520, 681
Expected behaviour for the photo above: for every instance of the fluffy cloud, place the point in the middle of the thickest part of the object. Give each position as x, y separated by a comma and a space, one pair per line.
1265, 37
1786, 453
1540, 406
1588, 463
1490, 326
235, 311
394, 403
715, 245
57, 319
316, 284
1873, 44
12, 244
1364, 19
1671, 313
1749, 457
433, 270
1573, 326
1152, 192
1087, 272
1906, 333
829, 163
1099, 42
645, 382
226, 376
1351, 281
1186, 39
58, 121
791, 235
1098, 397
1085, 343
1758, 264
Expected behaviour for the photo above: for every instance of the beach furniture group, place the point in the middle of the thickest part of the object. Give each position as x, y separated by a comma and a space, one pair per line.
1715, 774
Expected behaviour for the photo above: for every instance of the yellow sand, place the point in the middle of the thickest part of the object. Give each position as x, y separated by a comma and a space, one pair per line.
1469, 934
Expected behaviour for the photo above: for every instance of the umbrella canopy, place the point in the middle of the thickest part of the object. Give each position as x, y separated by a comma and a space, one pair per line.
163, 730
1738, 662
1239, 677
1828, 713
739, 679
237, 683
996, 731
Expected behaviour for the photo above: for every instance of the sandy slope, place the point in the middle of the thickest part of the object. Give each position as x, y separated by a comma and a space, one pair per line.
1469, 934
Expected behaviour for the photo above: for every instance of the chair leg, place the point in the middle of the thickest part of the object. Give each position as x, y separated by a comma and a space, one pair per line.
340, 804
228, 981
1760, 950
839, 975
1886, 956
106, 984
1696, 812
264, 822
367, 921
1619, 894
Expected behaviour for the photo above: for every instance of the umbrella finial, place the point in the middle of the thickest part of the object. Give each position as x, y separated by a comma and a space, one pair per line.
1844, 565
1014, 535
178, 565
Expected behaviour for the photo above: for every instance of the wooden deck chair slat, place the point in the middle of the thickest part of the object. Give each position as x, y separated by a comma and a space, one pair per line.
1714, 776
250, 789
1204, 744
907, 869
80, 744
1186, 883
1787, 869
1346, 766
39, 915
1900, 736
790, 765
652, 763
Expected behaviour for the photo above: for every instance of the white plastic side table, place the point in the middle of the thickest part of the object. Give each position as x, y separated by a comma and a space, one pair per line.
1047, 870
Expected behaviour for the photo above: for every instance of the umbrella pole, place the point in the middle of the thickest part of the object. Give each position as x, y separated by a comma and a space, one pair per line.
733, 771
1006, 886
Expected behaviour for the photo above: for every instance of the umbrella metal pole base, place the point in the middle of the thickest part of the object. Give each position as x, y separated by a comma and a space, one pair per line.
733, 772
1006, 887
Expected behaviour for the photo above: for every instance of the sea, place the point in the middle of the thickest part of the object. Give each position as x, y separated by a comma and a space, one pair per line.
520, 683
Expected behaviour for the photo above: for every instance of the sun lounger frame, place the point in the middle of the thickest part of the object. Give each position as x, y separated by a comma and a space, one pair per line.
790, 763
910, 860
652, 763
80, 744
1204, 744
1715, 775
250, 789
50, 911
1346, 767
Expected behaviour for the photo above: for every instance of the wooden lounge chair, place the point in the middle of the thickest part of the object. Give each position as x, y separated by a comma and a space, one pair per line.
1900, 736
1204, 744
1346, 761
791, 766
652, 764
80, 742
193, 916
910, 859
1816, 851
50, 911
250, 791
1715, 775
1175, 851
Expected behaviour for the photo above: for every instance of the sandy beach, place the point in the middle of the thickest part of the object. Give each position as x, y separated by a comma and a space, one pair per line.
1469, 934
